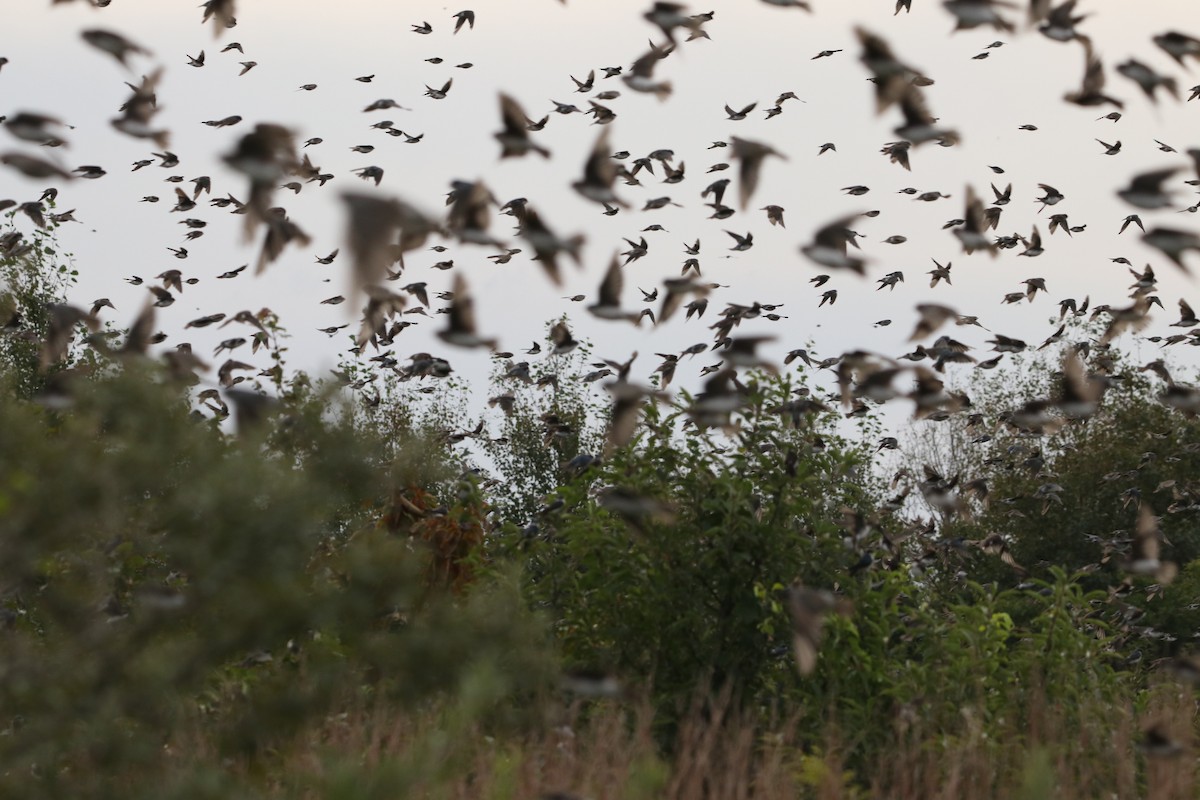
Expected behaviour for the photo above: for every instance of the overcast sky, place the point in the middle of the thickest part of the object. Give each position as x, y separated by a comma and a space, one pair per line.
529, 48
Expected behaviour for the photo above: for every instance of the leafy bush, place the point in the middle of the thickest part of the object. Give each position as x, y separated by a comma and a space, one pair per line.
375, 596
34, 276
662, 561
154, 569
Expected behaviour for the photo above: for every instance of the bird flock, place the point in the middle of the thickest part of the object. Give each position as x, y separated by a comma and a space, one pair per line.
393, 244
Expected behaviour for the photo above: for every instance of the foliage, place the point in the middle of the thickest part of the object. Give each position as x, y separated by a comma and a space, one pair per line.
34, 276
155, 569
373, 594
553, 418
1070, 499
662, 562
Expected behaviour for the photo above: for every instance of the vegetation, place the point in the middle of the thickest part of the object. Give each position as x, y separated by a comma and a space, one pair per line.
370, 594
35, 275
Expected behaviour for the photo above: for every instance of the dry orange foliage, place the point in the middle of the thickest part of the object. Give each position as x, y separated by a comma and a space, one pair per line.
451, 537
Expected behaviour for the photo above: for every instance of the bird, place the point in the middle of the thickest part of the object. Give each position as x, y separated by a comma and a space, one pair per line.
774, 215
1091, 91
561, 339
741, 242
641, 74
547, 245
460, 325
224, 122
971, 232
741, 114
370, 173
1146, 190
939, 273
439, 94
466, 17
1133, 219
1173, 243
829, 246
1033, 247
670, 16
599, 175
114, 44
1145, 551
1178, 46
608, 296
750, 156
636, 250
1187, 317
1059, 221
514, 139
897, 152
807, 609
1147, 79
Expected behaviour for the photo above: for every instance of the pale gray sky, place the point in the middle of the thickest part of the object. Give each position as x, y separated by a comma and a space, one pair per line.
528, 48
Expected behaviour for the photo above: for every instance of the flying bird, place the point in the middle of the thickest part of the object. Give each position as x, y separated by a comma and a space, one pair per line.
464, 18
750, 156
829, 246
514, 139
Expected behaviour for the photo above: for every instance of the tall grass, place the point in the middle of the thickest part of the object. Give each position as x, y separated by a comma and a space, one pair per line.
608, 750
